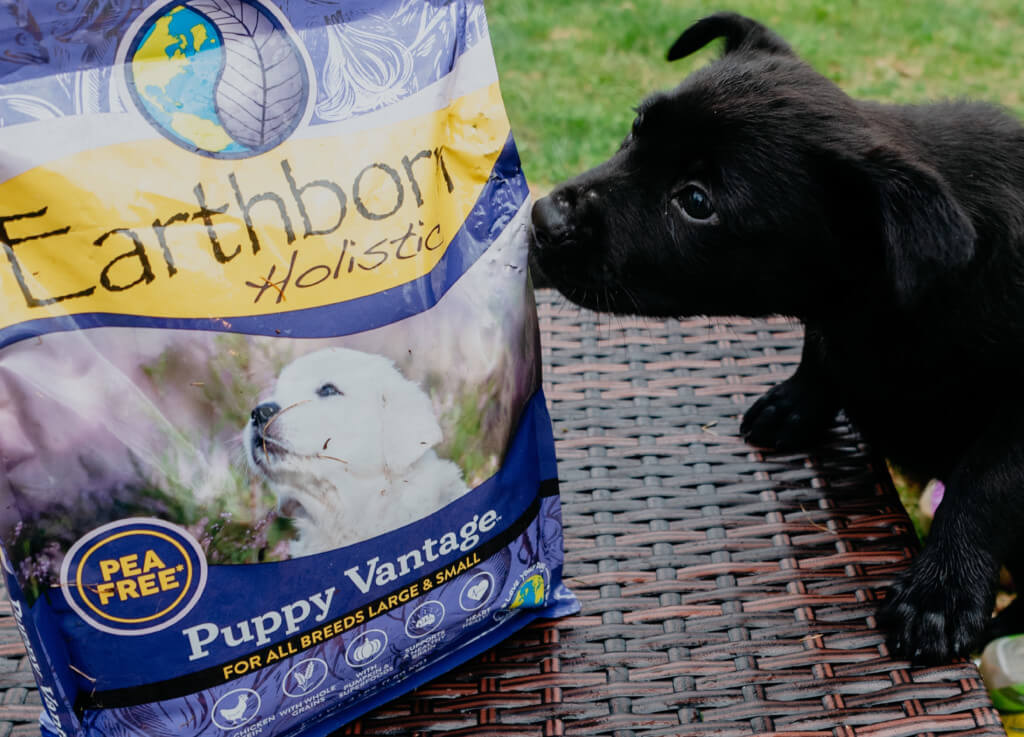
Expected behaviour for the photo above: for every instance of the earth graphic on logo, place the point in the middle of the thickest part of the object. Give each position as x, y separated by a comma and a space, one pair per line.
221, 78
531, 593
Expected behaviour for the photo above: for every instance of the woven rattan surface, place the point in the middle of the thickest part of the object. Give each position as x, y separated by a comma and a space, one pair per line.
726, 592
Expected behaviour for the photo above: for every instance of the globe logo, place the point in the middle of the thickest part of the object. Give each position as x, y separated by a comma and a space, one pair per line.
530, 593
222, 78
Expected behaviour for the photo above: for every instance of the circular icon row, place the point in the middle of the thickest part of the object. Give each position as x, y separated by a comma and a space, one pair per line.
240, 706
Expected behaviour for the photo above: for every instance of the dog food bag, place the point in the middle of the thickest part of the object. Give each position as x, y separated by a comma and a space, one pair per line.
273, 448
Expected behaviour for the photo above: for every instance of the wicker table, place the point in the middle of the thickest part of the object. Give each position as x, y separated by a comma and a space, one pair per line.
726, 592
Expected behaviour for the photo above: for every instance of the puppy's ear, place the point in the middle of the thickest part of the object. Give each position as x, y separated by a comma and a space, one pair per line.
410, 425
925, 233
740, 33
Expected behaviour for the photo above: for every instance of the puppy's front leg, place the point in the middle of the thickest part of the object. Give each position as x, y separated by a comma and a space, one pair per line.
795, 413
940, 606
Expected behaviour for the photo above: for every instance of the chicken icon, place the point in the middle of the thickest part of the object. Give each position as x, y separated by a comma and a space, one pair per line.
236, 713
303, 677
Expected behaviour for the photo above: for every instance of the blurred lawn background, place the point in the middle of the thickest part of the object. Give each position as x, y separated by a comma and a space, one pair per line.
572, 70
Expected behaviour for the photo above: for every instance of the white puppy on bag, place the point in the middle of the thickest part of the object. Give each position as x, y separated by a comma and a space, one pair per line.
349, 440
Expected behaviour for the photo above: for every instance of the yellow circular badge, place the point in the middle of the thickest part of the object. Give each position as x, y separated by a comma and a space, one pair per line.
134, 576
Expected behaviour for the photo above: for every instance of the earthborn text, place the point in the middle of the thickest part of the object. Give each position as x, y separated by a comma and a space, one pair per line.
231, 222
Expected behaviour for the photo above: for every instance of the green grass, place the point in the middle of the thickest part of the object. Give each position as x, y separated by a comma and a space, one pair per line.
572, 70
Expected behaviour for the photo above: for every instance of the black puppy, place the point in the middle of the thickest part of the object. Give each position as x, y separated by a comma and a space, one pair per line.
894, 233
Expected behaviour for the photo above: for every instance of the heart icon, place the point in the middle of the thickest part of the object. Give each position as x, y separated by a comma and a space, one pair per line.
478, 591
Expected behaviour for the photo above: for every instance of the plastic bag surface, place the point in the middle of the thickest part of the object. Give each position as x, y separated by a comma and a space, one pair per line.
272, 443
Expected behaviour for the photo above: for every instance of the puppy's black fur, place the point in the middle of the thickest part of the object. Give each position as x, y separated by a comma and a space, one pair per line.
895, 233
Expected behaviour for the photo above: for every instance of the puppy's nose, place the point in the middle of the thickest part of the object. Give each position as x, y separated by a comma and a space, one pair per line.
551, 219
262, 414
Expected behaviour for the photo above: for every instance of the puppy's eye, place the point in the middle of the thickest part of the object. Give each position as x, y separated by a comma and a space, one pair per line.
329, 390
695, 202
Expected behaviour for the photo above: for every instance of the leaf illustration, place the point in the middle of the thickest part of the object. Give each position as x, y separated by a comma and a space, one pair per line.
262, 91
365, 69
31, 106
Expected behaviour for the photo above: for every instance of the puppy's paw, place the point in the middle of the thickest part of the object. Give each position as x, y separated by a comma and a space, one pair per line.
790, 416
934, 611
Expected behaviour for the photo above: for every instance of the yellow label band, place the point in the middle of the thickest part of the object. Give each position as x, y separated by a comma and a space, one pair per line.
146, 228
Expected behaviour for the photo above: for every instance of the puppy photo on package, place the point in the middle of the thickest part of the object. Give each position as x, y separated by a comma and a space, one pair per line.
386, 426
273, 448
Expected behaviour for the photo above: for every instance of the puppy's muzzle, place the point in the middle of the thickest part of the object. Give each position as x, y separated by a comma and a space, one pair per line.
263, 414
552, 220
564, 251
556, 234
262, 447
